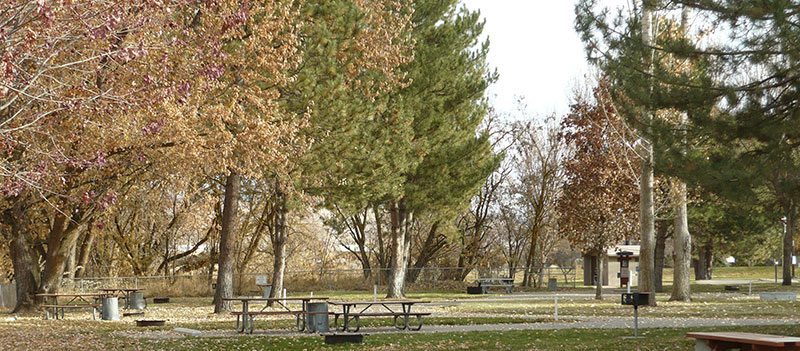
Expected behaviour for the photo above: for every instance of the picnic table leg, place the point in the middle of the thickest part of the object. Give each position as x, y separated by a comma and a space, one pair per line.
419, 319
358, 325
244, 318
406, 311
345, 313
336, 321
305, 316
702, 345
301, 321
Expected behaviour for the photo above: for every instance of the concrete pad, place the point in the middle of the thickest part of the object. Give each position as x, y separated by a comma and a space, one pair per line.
187, 331
788, 296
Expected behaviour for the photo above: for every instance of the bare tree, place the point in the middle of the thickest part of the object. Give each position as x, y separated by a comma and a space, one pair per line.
538, 155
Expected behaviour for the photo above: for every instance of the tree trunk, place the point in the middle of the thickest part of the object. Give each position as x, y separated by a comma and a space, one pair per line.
788, 245
433, 244
598, 293
646, 210
86, 248
661, 243
400, 244
279, 239
61, 238
531, 261
227, 243
26, 270
709, 261
702, 268
383, 256
360, 223
682, 246
681, 238
69, 266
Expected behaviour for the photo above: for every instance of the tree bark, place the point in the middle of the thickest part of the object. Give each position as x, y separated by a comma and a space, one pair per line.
62, 236
788, 244
661, 243
598, 292
682, 246
86, 249
69, 267
646, 210
227, 243
356, 226
702, 267
531, 259
681, 238
400, 246
433, 244
23, 260
279, 240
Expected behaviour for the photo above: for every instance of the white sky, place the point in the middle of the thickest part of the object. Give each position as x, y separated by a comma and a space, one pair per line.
535, 50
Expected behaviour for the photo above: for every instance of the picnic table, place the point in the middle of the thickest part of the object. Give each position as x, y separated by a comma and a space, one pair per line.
507, 283
125, 292
247, 316
387, 311
719, 341
74, 301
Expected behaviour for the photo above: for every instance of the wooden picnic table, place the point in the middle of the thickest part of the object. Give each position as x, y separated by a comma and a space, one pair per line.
719, 341
75, 301
404, 313
247, 316
126, 292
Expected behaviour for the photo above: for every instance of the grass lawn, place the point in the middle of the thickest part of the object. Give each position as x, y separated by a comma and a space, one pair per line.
86, 335
79, 332
597, 339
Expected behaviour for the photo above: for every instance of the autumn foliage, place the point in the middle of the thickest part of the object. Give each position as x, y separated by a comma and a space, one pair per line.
599, 205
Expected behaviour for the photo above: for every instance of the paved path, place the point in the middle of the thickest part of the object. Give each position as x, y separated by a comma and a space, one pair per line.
572, 323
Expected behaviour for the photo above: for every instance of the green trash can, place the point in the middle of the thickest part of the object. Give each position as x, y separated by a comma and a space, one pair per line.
110, 309
552, 284
317, 323
137, 301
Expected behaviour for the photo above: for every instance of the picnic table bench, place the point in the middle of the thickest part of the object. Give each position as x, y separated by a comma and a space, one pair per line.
399, 315
75, 302
246, 316
507, 283
719, 341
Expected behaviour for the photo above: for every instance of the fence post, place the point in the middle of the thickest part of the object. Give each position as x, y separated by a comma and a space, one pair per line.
183, 287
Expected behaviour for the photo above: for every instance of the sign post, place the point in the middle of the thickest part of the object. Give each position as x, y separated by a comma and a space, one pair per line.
635, 299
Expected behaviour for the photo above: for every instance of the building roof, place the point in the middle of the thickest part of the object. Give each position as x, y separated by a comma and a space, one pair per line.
633, 249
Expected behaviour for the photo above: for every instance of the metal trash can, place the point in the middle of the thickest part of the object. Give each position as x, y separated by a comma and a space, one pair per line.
552, 284
110, 309
317, 322
267, 290
137, 301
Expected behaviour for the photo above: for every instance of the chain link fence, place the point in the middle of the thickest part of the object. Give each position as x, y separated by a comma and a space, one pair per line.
427, 278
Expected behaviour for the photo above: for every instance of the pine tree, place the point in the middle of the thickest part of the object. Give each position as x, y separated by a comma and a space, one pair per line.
445, 159
740, 97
